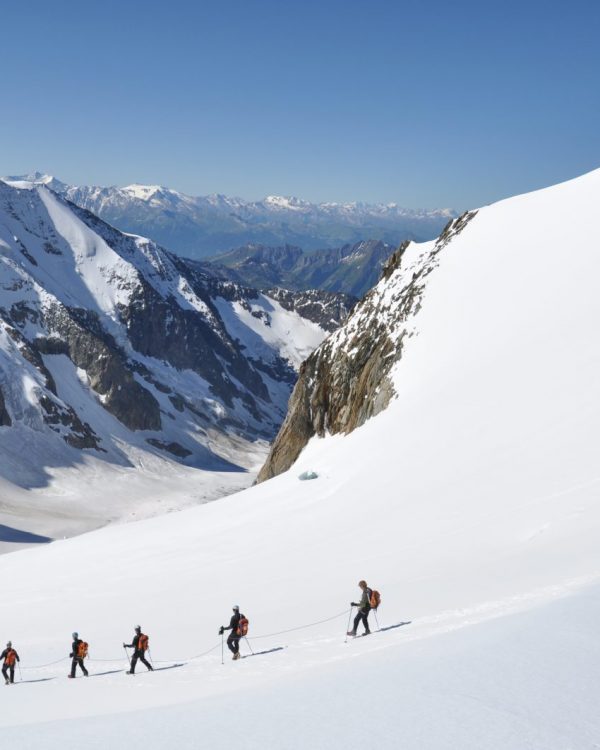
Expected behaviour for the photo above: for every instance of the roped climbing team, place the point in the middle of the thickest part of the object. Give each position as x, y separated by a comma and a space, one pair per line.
238, 625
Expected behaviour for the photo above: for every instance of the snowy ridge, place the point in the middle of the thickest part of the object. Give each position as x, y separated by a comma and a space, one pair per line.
470, 502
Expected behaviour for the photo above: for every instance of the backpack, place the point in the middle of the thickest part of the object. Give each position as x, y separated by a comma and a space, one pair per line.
242, 628
143, 642
375, 599
11, 658
82, 650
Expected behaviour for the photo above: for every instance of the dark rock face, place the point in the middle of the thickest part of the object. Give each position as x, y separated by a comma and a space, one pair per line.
346, 380
77, 334
173, 448
5, 420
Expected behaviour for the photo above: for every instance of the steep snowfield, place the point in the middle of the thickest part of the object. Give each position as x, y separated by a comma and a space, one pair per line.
471, 503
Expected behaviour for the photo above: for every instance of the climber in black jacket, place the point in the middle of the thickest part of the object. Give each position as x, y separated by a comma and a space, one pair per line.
233, 640
139, 646
77, 656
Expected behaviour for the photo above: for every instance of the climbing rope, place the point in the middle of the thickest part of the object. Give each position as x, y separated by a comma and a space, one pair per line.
208, 651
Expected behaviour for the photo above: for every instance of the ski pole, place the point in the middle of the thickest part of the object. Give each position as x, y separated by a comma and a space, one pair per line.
249, 646
150, 657
127, 656
20, 673
377, 619
349, 619
222, 648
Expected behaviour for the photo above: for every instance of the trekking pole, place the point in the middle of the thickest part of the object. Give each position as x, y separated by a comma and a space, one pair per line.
150, 657
249, 646
349, 619
20, 673
127, 656
222, 648
377, 619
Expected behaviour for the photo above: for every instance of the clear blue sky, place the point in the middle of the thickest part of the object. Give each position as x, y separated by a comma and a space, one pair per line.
423, 103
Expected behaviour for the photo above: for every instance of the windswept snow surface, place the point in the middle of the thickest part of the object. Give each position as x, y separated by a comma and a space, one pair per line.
471, 503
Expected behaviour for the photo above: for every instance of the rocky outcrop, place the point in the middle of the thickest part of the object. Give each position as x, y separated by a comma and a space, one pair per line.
78, 334
5, 420
346, 380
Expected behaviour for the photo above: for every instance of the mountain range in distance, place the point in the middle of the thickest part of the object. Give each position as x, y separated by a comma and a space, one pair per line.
201, 226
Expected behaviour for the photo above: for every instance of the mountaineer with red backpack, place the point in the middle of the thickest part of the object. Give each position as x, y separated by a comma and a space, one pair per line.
139, 645
239, 628
10, 657
79, 650
370, 600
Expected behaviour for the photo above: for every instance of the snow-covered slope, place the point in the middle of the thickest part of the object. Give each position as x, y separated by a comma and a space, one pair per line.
197, 226
470, 502
118, 356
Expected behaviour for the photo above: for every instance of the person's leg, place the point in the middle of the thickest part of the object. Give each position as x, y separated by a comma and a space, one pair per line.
82, 665
5, 672
73, 666
143, 660
12, 674
134, 659
366, 621
357, 620
236, 645
231, 643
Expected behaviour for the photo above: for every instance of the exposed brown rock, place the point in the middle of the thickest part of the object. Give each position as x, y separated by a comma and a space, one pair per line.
345, 381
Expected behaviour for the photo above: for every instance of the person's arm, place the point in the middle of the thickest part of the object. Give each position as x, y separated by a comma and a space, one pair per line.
17, 655
3, 654
231, 625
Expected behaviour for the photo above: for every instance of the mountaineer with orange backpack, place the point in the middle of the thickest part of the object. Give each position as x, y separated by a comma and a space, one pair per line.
239, 629
139, 645
79, 651
370, 600
10, 657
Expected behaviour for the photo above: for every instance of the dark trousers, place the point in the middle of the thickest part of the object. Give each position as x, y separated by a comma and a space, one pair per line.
6, 669
134, 660
362, 616
77, 661
233, 643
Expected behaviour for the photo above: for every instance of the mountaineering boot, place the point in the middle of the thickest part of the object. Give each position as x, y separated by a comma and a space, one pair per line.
71, 676
351, 632
129, 672
6, 682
